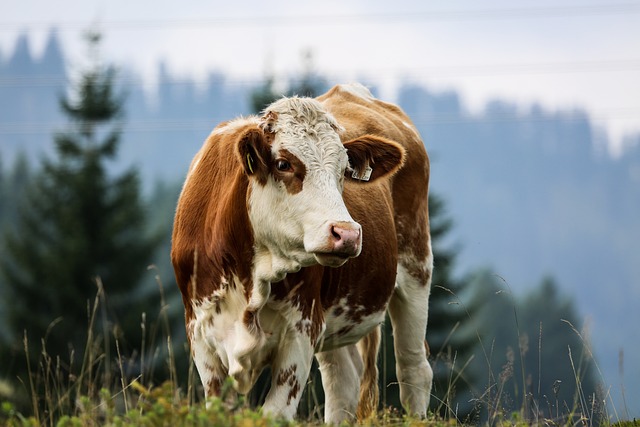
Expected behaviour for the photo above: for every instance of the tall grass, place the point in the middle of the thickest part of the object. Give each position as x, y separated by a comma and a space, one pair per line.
493, 405
106, 387
104, 381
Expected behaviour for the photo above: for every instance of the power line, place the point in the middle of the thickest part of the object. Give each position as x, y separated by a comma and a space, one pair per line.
205, 125
351, 18
589, 66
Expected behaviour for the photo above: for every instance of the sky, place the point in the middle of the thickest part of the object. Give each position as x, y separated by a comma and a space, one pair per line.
561, 54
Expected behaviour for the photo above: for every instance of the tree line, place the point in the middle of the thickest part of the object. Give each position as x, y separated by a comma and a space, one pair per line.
77, 240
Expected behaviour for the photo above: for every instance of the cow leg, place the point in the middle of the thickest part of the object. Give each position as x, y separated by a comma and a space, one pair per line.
209, 367
341, 373
408, 310
289, 374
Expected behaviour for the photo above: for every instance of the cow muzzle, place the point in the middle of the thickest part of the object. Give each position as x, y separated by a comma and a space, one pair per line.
343, 241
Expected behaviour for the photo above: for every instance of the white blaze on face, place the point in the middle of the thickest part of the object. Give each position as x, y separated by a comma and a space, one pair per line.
311, 223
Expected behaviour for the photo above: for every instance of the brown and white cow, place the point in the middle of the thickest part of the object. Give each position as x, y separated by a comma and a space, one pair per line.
294, 233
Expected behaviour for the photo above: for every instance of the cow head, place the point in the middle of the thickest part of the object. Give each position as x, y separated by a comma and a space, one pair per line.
298, 165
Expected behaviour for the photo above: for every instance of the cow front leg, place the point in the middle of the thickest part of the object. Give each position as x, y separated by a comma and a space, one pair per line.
289, 374
341, 371
408, 311
209, 367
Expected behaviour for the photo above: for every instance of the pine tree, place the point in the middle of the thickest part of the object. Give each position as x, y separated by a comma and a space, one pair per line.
310, 83
3, 191
13, 185
3, 213
264, 95
78, 223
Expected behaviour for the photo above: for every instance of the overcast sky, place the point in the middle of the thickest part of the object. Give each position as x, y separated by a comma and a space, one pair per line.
560, 53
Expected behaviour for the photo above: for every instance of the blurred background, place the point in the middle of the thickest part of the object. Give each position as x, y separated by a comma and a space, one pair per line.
530, 112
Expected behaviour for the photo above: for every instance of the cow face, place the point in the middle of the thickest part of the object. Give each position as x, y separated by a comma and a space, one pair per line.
298, 166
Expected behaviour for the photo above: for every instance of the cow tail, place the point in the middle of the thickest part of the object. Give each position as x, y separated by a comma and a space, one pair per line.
369, 395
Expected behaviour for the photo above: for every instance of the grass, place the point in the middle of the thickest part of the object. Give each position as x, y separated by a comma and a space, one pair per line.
536, 407
102, 392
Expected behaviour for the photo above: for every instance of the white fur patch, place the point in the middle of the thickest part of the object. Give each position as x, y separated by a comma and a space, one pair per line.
215, 318
358, 90
222, 346
232, 125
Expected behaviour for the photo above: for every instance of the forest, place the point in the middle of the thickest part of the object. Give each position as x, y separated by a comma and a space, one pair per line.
85, 239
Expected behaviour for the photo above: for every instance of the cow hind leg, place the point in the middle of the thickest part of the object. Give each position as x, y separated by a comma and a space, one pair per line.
341, 371
408, 310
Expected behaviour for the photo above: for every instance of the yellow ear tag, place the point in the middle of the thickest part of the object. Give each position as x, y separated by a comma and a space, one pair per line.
365, 175
250, 162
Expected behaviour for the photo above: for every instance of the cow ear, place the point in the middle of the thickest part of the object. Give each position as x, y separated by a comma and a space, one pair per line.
255, 153
372, 157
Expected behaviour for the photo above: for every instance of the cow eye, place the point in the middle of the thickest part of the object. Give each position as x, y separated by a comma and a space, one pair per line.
283, 165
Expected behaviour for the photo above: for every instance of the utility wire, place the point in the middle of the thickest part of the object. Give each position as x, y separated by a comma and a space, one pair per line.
567, 67
207, 124
348, 18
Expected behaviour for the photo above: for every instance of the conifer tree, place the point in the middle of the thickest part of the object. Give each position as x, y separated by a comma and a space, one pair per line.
13, 183
3, 191
309, 84
79, 223
264, 95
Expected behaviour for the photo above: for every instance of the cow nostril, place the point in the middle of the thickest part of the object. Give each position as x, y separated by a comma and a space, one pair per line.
335, 234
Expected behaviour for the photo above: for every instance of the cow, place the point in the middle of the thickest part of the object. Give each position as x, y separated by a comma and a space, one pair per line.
295, 232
